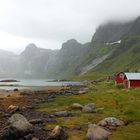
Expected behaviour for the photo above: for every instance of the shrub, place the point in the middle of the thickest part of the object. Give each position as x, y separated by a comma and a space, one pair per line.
120, 86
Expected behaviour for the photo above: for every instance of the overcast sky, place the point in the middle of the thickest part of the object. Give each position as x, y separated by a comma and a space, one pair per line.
49, 23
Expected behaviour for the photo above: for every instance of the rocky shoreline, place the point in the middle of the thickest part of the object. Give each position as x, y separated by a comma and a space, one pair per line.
25, 103
20, 120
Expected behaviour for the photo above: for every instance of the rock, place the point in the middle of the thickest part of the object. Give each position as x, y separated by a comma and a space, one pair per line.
110, 122
96, 132
12, 109
77, 106
51, 96
16, 89
87, 109
62, 114
18, 127
58, 133
50, 100
25, 92
36, 121
30, 107
82, 92
34, 138
91, 105
8, 95
28, 137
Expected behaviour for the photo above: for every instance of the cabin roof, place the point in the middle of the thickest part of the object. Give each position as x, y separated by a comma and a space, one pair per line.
132, 76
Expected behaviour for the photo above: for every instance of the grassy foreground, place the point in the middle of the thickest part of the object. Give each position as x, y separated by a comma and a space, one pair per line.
110, 102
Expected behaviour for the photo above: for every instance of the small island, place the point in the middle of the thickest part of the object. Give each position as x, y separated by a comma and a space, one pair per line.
9, 80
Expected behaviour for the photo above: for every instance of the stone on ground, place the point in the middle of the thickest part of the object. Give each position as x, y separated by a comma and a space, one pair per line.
18, 127
62, 114
111, 122
77, 106
96, 132
58, 133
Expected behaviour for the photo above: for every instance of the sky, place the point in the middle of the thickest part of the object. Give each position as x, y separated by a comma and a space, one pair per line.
49, 23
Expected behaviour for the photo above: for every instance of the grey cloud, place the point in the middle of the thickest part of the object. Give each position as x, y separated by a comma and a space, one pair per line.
58, 20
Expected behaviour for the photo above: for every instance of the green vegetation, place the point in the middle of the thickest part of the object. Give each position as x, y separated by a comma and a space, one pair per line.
126, 57
72, 61
115, 102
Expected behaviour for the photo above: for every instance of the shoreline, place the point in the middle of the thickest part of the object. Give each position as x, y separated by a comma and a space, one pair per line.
13, 94
26, 102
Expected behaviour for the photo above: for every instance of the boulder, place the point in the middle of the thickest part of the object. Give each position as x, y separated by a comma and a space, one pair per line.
58, 133
34, 138
87, 109
36, 121
91, 105
50, 100
77, 106
82, 92
18, 127
62, 114
110, 122
16, 89
26, 92
96, 132
12, 109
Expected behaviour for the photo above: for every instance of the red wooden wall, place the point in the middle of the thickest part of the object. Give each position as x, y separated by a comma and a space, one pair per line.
118, 79
135, 83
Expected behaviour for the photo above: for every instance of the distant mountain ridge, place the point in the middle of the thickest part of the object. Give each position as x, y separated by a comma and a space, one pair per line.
114, 47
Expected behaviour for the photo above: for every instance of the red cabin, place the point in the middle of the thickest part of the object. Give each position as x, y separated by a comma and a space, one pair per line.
119, 78
131, 80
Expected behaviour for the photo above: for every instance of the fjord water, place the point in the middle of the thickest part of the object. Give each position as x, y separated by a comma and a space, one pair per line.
33, 83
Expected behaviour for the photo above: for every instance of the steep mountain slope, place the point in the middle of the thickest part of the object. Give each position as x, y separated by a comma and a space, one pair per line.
7, 63
128, 59
34, 61
67, 59
75, 58
114, 47
126, 56
111, 32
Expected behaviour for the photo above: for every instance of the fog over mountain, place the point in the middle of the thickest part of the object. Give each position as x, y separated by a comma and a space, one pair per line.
111, 41
49, 23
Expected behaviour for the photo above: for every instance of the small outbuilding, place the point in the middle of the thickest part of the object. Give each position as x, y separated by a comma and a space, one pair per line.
119, 77
131, 80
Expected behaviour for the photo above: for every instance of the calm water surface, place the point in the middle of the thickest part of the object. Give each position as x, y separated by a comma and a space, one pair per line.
32, 83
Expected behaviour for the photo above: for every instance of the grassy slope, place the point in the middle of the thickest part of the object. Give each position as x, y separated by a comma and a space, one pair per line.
125, 58
120, 103
75, 64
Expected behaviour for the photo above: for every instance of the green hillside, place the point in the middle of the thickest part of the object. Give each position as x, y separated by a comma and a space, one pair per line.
126, 57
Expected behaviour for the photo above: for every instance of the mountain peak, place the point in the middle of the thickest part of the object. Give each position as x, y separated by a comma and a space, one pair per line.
31, 46
72, 43
30, 49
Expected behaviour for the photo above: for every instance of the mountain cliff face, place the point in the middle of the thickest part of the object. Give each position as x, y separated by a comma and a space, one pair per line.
67, 59
34, 61
111, 32
8, 60
105, 54
125, 57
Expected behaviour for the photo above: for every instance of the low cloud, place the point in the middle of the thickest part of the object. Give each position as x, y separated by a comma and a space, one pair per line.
51, 22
